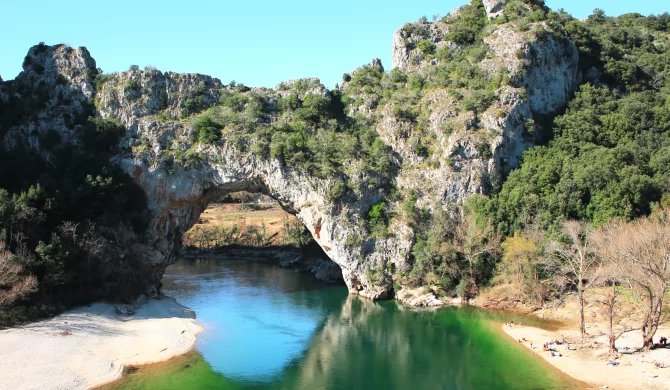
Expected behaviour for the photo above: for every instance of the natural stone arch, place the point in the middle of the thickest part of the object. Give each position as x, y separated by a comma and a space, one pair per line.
153, 106
177, 200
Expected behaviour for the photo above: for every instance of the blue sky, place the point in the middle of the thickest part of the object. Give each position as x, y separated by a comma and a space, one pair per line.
256, 42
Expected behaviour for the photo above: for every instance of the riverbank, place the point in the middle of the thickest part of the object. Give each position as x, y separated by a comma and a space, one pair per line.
588, 362
89, 346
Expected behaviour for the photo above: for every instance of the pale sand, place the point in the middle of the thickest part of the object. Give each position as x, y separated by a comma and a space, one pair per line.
41, 356
588, 363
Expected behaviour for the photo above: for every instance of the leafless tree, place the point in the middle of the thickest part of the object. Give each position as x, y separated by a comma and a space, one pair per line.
576, 263
610, 277
642, 251
69, 230
14, 284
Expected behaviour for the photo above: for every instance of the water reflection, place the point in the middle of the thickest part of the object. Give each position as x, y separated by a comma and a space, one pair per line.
268, 327
259, 317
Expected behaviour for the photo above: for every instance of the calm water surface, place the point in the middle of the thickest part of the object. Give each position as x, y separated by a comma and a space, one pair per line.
272, 328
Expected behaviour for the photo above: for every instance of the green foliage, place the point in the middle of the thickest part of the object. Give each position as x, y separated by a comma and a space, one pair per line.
337, 191
101, 79
314, 108
378, 219
607, 160
195, 104
367, 76
132, 85
469, 23
206, 130
434, 259
426, 47
288, 103
101, 135
56, 215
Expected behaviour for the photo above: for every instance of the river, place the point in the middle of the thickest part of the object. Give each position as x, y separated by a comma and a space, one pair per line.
268, 327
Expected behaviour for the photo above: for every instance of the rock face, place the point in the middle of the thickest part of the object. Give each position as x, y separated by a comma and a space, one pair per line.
156, 109
494, 8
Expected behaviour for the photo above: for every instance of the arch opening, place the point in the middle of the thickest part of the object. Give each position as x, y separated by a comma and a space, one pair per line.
250, 224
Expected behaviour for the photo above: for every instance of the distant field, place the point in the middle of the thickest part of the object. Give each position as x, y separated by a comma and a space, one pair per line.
234, 223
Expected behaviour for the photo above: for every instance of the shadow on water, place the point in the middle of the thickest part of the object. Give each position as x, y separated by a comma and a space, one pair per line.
296, 333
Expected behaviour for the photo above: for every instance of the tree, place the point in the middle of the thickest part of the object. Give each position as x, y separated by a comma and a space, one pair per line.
15, 284
520, 266
577, 264
642, 251
474, 239
207, 131
604, 246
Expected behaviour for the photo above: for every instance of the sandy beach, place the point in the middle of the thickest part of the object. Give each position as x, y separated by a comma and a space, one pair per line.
588, 362
89, 346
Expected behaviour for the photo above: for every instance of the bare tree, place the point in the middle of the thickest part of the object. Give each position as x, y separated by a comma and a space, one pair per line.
14, 284
610, 277
577, 264
643, 254
473, 239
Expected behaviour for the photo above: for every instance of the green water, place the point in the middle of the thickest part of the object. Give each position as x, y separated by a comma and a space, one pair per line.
272, 328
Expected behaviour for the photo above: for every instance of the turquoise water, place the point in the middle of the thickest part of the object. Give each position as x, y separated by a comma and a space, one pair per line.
272, 328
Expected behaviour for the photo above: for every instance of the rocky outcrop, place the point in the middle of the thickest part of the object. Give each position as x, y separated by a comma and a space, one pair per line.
494, 8
159, 111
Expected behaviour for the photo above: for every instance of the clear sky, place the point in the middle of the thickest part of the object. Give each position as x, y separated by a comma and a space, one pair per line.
256, 42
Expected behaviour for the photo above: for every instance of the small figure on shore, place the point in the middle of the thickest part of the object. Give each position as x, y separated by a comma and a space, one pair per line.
612, 363
563, 338
555, 354
660, 365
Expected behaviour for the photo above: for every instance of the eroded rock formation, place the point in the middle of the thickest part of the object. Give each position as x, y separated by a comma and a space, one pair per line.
154, 108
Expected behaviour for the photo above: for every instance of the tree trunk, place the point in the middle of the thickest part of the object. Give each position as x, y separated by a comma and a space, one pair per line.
651, 325
611, 330
582, 322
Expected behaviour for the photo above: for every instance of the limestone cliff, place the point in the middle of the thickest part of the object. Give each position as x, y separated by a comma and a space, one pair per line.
471, 146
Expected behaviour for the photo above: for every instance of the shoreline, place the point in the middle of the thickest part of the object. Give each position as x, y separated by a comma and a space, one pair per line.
588, 362
89, 347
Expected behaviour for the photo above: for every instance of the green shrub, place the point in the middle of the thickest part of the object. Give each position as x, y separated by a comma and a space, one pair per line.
337, 191
195, 104
468, 25
206, 130
132, 85
426, 47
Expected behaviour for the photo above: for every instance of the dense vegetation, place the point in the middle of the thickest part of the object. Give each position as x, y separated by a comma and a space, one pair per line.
606, 157
609, 156
57, 216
